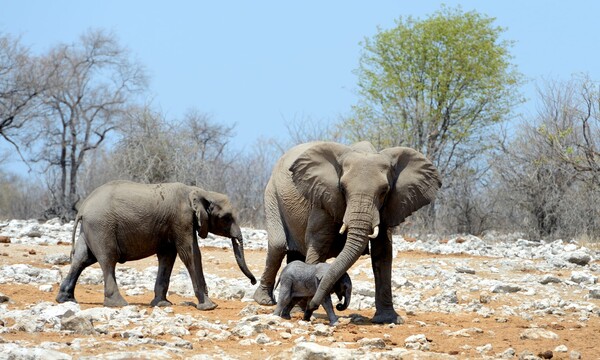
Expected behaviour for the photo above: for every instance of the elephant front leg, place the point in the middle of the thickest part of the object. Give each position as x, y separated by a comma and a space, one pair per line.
191, 257
381, 261
328, 306
320, 236
166, 259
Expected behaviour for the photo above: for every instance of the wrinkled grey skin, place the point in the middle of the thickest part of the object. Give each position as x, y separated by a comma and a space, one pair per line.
299, 281
123, 221
327, 200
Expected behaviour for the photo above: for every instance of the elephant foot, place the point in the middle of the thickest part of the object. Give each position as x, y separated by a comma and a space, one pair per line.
65, 297
206, 305
161, 302
285, 316
115, 302
387, 317
263, 296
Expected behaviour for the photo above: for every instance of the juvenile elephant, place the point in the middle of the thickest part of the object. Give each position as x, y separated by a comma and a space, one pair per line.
326, 200
123, 221
299, 281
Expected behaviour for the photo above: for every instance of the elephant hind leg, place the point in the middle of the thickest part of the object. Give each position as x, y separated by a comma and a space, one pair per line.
264, 292
286, 301
112, 296
276, 251
82, 258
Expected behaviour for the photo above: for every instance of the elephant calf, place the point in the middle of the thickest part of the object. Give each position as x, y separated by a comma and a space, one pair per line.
123, 221
299, 281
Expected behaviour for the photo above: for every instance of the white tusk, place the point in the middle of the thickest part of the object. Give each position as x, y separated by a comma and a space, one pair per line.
343, 228
375, 232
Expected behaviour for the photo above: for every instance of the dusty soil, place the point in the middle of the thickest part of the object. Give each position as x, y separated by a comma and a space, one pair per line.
501, 333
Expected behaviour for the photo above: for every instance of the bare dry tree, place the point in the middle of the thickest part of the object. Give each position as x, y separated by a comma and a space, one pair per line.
549, 170
92, 84
144, 152
21, 84
203, 155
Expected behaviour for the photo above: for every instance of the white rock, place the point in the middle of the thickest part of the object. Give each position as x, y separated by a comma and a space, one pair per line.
45, 288
537, 334
372, 343
561, 349
581, 277
14, 351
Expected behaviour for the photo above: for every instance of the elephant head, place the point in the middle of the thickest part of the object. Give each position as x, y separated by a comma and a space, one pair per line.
362, 190
343, 290
215, 214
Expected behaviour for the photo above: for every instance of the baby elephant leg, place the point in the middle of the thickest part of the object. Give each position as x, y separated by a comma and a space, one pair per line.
328, 306
284, 301
307, 313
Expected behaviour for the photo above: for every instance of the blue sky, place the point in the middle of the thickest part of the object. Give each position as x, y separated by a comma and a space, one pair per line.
260, 63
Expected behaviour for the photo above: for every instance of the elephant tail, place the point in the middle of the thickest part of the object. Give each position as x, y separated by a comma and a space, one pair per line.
77, 220
277, 283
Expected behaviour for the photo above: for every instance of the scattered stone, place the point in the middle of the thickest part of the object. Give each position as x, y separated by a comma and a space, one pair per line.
4, 298
322, 330
464, 332
417, 342
561, 349
546, 354
537, 334
34, 234
508, 353
505, 288
78, 324
262, 339
594, 294
575, 355
4, 239
250, 309
528, 355
57, 259
484, 349
515, 262
14, 351
45, 288
372, 343
548, 279
465, 270
577, 257
447, 296
581, 277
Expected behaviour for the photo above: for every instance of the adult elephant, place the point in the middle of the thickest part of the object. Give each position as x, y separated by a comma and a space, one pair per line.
326, 200
123, 221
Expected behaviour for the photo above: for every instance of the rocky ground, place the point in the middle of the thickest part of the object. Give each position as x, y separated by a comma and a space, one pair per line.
461, 297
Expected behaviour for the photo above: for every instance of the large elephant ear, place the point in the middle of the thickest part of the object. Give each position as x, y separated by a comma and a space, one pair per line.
415, 184
316, 174
198, 203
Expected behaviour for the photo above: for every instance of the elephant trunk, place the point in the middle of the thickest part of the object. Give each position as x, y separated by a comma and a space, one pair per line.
354, 248
361, 218
238, 250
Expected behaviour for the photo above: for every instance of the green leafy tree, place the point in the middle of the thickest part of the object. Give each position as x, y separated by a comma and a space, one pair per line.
436, 85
